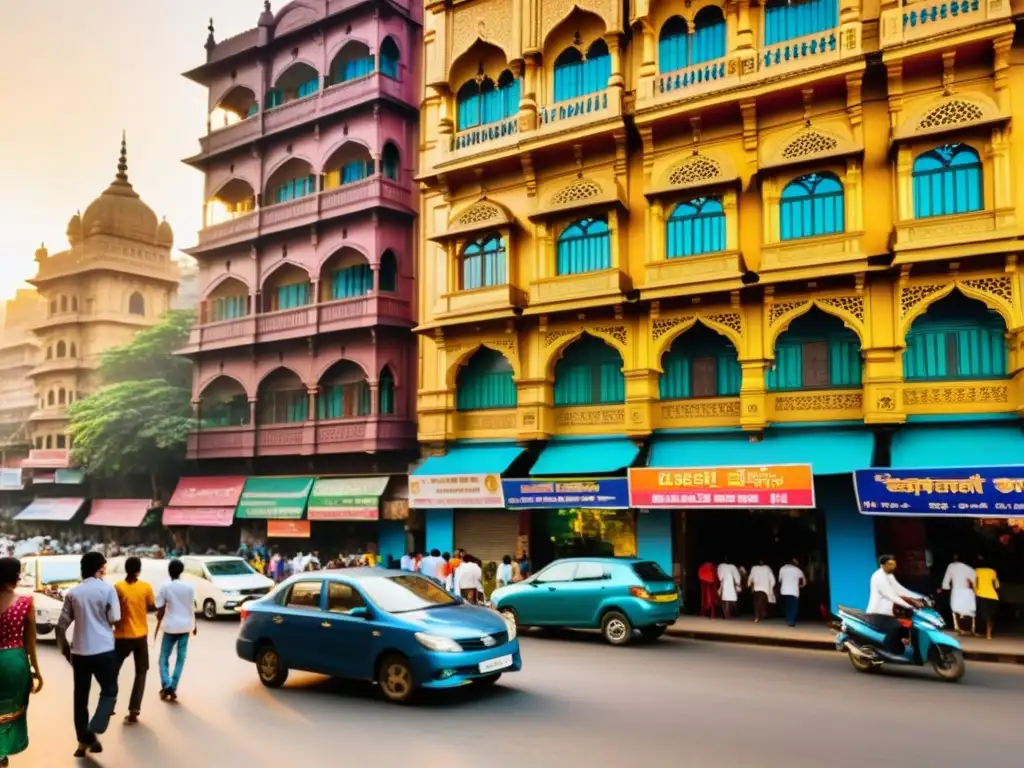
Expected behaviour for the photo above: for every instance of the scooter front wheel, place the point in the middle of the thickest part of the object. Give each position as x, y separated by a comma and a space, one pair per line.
859, 663
948, 664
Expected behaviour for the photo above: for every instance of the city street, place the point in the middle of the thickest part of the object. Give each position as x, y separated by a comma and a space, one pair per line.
577, 702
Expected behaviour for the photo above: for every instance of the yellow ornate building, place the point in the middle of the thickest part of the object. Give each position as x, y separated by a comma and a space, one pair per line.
19, 354
732, 234
116, 279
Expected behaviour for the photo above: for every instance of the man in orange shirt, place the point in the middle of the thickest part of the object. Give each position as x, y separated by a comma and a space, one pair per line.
131, 632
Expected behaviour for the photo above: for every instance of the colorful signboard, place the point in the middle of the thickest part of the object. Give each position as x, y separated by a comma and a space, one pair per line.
280, 498
949, 492
781, 486
346, 498
479, 491
567, 493
11, 479
288, 529
201, 517
208, 492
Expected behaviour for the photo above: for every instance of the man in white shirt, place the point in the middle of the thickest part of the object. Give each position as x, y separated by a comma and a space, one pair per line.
469, 579
791, 581
762, 580
730, 584
408, 562
886, 593
960, 580
175, 611
430, 565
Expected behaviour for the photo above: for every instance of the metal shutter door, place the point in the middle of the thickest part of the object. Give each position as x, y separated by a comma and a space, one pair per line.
488, 535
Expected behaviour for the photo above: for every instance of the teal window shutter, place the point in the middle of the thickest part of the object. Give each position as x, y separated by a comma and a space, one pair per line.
811, 205
819, 346
785, 20
947, 181
485, 382
700, 350
483, 263
695, 227
589, 373
584, 246
957, 338
386, 393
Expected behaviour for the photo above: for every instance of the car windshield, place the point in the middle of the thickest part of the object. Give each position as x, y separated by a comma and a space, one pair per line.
403, 594
650, 571
229, 568
60, 572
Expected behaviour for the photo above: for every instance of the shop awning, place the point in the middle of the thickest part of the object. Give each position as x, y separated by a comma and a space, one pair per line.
585, 457
118, 513
472, 459
277, 498
69, 476
51, 510
201, 517
208, 492
346, 498
957, 445
47, 459
11, 479
829, 452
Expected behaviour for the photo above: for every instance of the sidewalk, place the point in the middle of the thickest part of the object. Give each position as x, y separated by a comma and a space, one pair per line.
818, 637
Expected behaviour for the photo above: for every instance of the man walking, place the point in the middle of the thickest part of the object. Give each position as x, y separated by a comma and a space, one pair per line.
132, 631
762, 582
730, 586
94, 609
431, 565
791, 581
175, 610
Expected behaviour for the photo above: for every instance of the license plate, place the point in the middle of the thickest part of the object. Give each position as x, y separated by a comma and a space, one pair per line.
492, 665
665, 598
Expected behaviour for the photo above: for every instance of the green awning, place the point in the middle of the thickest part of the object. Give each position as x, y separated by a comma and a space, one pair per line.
274, 498
69, 476
347, 498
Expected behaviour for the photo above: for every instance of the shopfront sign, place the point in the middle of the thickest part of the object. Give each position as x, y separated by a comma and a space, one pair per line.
781, 486
948, 492
456, 492
567, 493
11, 479
347, 498
288, 529
279, 498
201, 517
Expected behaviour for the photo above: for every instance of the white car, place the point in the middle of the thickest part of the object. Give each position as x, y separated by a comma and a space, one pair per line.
222, 583
47, 578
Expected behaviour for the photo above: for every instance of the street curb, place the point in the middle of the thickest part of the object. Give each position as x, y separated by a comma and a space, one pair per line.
992, 657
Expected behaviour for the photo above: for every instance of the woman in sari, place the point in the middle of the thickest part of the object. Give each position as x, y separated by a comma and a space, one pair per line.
19, 666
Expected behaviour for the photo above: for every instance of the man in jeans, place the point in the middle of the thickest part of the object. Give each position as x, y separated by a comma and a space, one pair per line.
175, 610
94, 609
131, 635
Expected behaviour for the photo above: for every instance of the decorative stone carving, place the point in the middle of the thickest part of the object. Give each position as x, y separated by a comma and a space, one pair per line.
1000, 287
478, 214
695, 170
551, 337
586, 417
853, 305
720, 408
488, 20
664, 325
618, 332
477, 422
986, 394
582, 189
809, 143
912, 295
839, 401
776, 311
951, 113
554, 11
731, 320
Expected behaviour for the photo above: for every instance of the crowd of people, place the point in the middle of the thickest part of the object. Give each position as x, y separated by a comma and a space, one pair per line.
721, 586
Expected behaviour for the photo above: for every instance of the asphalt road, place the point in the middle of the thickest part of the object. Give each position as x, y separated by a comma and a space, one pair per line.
576, 703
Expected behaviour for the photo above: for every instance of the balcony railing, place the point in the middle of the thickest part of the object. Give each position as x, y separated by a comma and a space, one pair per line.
357, 434
801, 52
302, 322
486, 134
585, 109
699, 78
931, 18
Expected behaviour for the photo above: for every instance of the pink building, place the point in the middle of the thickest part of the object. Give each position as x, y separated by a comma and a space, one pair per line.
303, 346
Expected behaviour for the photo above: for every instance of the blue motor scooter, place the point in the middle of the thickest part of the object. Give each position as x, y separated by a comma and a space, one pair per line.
863, 637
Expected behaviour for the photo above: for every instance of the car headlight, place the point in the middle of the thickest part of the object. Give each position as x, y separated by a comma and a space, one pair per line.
438, 643
511, 624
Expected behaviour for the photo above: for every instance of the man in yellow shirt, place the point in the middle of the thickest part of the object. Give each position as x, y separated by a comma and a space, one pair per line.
131, 632
987, 590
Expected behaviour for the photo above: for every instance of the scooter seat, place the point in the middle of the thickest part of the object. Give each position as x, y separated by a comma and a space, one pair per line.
878, 621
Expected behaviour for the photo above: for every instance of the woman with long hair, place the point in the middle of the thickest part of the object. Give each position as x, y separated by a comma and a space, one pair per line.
19, 665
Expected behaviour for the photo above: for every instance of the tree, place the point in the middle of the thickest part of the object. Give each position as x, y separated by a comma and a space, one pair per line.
137, 422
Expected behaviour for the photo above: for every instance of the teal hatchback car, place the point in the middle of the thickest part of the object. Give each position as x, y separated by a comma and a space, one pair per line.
619, 596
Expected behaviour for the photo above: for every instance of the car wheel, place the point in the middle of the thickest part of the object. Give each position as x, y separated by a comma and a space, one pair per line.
511, 615
394, 676
616, 629
209, 610
272, 672
487, 682
650, 634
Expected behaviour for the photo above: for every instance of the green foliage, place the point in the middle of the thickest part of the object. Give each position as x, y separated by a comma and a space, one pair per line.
138, 421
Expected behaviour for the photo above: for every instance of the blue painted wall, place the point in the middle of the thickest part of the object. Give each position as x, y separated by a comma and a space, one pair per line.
440, 533
850, 538
654, 537
392, 540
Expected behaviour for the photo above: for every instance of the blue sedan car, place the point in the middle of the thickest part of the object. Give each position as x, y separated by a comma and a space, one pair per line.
398, 629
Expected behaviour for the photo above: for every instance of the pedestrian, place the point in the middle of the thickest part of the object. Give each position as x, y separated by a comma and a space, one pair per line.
987, 592
730, 586
446, 571
708, 578
469, 578
524, 567
762, 582
504, 573
791, 581
175, 604
19, 665
408, 562
960, 580
430, 566
131, 635
94, 609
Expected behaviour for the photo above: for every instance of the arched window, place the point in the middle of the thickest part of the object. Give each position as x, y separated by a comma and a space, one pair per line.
388, 278
353, 61
49, 441
678, 49
49, 353
291, 296
947, 180
137, 305
74, 303
481, 102
62, 396
673, 45
63, 303
811, 205
386, 393
700, 363
584, 246
53, 306
483, 263
352, 281
282, 399
73, 352
344, 392
957, 338
224, 404
51, 398
389, 58
816, 352
62, 349
695, 227
589, 373
576, 75
485, 382
786, 20
62, 442
389, 161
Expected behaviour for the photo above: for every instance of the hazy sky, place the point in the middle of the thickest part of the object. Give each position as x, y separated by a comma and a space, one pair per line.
74, 74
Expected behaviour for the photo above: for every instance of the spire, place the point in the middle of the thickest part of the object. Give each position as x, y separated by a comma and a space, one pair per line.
211, 43
122, 164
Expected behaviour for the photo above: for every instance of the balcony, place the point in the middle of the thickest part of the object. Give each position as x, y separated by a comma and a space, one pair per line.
575, 113
691, 274
697, 413
62, 364
353, 435
299, 111
590, 288
942, 237
50, 413
928, 19
481, 303
839, 254
930, 398
301, 322
374, 192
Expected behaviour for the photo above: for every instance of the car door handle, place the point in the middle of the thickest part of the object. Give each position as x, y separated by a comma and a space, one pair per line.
325, 624
277, 620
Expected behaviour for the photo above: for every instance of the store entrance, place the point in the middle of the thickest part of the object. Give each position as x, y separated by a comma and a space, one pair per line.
558, 533
747, 536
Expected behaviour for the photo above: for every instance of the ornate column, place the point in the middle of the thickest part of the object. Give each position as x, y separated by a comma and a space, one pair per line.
311, 395
528, 100
616, 79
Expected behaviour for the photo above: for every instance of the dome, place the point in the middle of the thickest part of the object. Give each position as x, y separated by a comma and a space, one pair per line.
119, 211
164, 234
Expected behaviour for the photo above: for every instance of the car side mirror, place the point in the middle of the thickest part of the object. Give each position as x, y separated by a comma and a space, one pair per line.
361, 612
